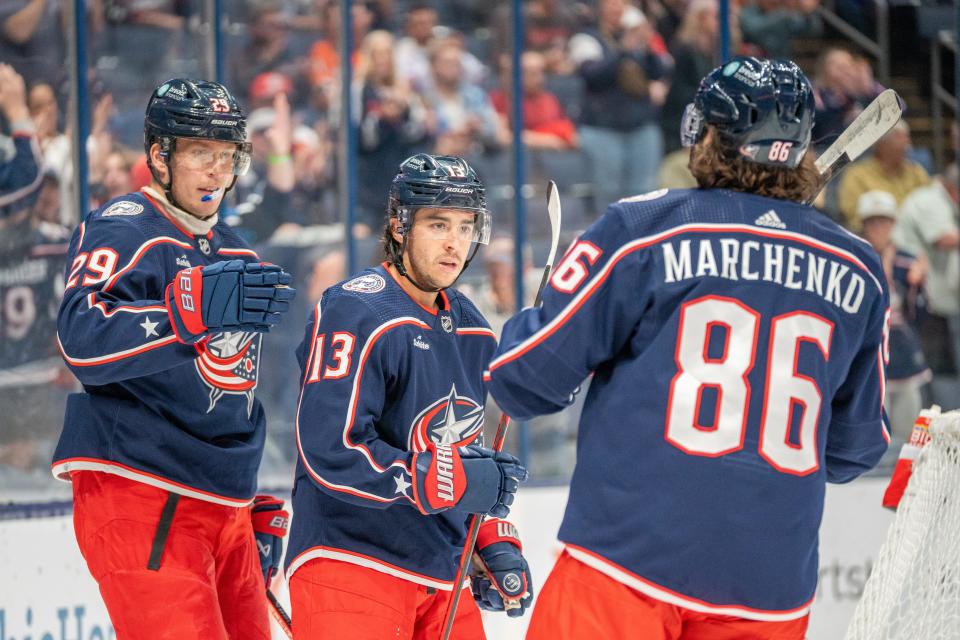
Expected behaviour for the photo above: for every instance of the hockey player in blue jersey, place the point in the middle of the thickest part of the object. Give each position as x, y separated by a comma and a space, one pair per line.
161, 321
736, 339
388, 428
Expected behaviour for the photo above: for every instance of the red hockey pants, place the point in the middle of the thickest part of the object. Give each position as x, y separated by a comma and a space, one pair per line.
207, 584
338, 600
579, 602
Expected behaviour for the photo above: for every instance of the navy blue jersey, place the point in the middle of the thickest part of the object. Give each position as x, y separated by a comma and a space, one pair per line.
31, 283
20, 171
182, 417
382, 376
736, 343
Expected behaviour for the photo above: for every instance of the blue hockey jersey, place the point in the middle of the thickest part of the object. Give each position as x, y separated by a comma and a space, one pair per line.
737, 346
181, 417
381, 377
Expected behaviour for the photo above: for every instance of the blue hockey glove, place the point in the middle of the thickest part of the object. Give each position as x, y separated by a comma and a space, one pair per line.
470, 479
269, 528
227, 296
503, 581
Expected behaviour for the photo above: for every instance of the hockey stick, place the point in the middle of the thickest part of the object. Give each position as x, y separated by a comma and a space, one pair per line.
871, 125
553, 210
281, 616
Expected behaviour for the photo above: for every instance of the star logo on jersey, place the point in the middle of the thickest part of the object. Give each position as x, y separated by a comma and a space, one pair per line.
453, 420
229, 364
150, 328
402, 484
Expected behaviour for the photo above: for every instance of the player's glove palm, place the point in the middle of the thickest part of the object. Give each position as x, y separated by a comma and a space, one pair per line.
503, 581
471, 479
269, 528
227, 296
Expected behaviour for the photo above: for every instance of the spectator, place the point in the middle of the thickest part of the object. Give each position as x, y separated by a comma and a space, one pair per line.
20, 159
31, 39
267, 48
843, 85
907, 369
266, 86
392, 122
548, 25
624, 88
263, 194
927, 226
693, 49
413, 50
116, 179
310, 200
464, 120
887, 169
545, 125
324, 62
772, 24
56, 147
32, 258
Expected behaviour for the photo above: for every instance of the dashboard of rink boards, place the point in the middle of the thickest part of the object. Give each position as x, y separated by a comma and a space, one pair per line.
47, 593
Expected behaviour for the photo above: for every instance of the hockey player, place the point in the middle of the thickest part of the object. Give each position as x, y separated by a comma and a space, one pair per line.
388, 429
737, 342
161, 321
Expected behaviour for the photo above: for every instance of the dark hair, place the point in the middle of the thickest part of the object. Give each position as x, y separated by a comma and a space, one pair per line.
715, 168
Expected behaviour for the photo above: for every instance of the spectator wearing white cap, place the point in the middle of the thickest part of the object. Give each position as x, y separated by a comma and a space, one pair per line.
927, 226
907, 370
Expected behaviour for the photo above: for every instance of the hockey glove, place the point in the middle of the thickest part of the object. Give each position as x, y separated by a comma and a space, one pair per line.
503, 582
227, 296
470, 479
269, 528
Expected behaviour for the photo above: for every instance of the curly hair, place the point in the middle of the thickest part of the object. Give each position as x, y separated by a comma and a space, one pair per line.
714, 167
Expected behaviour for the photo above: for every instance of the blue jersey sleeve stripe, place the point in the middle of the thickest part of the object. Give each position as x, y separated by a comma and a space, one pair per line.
238, 252
641, 243
138, 254
101, 306
119, 355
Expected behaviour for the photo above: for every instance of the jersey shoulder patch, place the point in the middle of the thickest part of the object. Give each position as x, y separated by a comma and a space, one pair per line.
123, 208
367, 283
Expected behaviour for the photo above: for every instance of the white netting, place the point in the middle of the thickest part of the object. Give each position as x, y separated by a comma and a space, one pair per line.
914, 591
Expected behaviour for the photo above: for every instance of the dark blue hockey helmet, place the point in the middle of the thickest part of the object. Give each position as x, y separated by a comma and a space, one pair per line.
435, 182
761, 109
182, 108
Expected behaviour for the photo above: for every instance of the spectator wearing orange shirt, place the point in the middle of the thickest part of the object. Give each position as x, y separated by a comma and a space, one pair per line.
545, 124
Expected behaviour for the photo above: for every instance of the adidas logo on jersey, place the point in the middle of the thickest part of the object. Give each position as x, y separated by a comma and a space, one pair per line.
420, 344
183, 262
770, 219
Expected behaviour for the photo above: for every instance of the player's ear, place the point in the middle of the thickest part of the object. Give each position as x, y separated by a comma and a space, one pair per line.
394, 232
159, 161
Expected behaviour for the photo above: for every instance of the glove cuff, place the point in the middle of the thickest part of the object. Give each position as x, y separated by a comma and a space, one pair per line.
439, 479
494, 530
183, 301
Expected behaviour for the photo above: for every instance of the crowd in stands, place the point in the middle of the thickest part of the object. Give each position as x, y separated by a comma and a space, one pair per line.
604, 86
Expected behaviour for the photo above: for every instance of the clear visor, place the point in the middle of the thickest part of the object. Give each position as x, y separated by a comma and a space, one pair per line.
691, 125
441, 227
236, 162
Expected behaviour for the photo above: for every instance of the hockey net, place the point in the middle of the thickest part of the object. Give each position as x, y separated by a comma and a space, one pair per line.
914, 590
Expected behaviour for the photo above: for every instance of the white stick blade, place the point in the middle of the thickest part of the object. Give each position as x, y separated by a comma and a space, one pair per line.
872, 123
553, 210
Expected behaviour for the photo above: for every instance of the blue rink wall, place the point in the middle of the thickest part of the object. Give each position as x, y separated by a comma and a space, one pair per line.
47, 594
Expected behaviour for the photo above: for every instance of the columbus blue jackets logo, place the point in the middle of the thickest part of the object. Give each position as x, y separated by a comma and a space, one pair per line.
452, 420
123, 208
229, 364
369, 283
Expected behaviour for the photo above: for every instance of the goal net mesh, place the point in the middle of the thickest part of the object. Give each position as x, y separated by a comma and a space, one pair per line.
914, 590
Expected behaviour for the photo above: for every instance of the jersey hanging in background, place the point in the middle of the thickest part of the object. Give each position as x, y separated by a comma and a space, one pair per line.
383, 376
182, 417
737, 345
